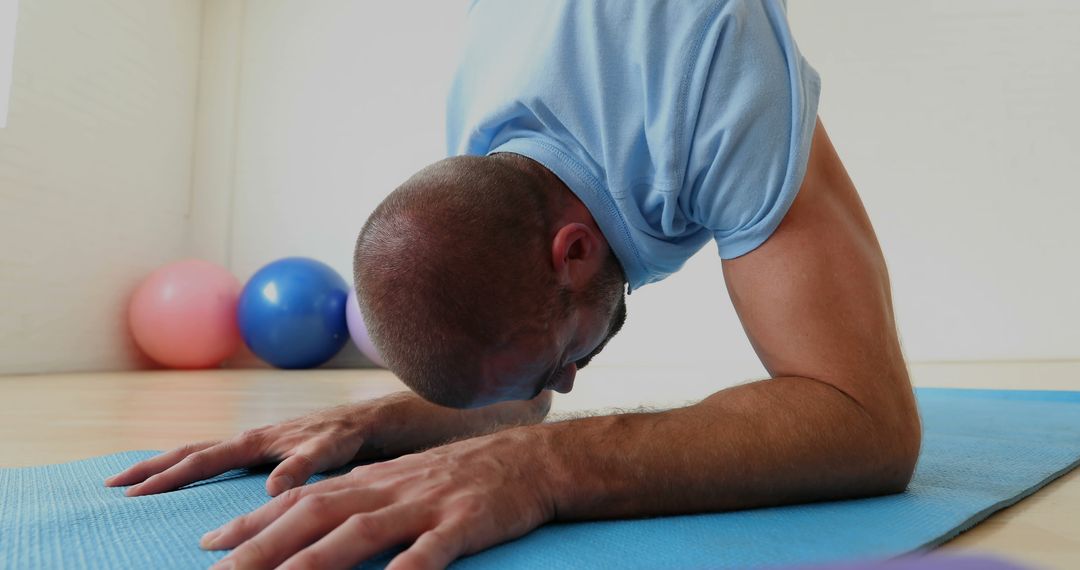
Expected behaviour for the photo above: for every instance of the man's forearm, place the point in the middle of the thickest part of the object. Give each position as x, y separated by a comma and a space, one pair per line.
777, 441
404, 422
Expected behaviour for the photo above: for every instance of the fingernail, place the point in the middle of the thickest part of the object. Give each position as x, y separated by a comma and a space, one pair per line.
132, 490
208, 539
223, 565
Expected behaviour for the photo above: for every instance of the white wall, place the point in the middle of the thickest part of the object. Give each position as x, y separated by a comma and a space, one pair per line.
95, 172
339, 103
9, 11
957, 121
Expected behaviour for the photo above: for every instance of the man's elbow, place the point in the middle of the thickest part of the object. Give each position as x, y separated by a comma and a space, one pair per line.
898, 442
885, 442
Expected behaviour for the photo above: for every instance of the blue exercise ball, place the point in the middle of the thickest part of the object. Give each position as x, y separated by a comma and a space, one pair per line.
292, 313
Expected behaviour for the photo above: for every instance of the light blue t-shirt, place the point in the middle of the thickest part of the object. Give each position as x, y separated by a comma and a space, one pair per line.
675, 122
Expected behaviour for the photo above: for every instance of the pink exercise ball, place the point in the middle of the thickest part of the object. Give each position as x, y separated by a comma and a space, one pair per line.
183, 315
358, 331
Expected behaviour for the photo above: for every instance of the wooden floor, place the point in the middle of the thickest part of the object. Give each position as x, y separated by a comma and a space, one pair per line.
56, 418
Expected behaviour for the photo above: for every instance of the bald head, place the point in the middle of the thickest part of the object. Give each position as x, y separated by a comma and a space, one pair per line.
454, 264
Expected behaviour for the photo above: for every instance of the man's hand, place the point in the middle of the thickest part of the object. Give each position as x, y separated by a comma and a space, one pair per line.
327, 439
307, 445
451, 500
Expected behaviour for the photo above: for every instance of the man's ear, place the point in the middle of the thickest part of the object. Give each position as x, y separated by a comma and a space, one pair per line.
575, 255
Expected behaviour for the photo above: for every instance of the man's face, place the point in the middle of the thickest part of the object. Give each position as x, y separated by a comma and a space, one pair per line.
550, 361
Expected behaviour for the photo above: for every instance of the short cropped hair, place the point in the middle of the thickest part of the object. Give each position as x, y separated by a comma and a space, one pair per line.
452, 264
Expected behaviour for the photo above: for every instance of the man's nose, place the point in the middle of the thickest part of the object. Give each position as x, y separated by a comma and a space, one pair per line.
566, 379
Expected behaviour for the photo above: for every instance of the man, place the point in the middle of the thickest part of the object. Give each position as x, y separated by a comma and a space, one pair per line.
601, 145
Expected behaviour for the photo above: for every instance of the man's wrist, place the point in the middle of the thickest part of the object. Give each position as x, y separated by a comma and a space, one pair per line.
575, 473
404, 422
385, 427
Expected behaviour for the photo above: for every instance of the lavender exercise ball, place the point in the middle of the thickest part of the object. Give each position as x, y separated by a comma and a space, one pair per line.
358, 331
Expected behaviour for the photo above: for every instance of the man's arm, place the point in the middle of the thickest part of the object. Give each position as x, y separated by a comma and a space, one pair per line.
836, 420
326, 439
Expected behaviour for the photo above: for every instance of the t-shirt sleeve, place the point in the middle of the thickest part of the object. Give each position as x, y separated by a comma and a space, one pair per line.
754, 127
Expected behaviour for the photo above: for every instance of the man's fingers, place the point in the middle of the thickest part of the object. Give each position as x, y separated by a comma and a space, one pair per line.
311, 517
156, 464
360, 537
232, 454
297, 469
435, 549
246, 526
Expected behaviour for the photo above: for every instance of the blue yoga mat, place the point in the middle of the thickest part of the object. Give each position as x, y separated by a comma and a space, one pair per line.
983, 450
